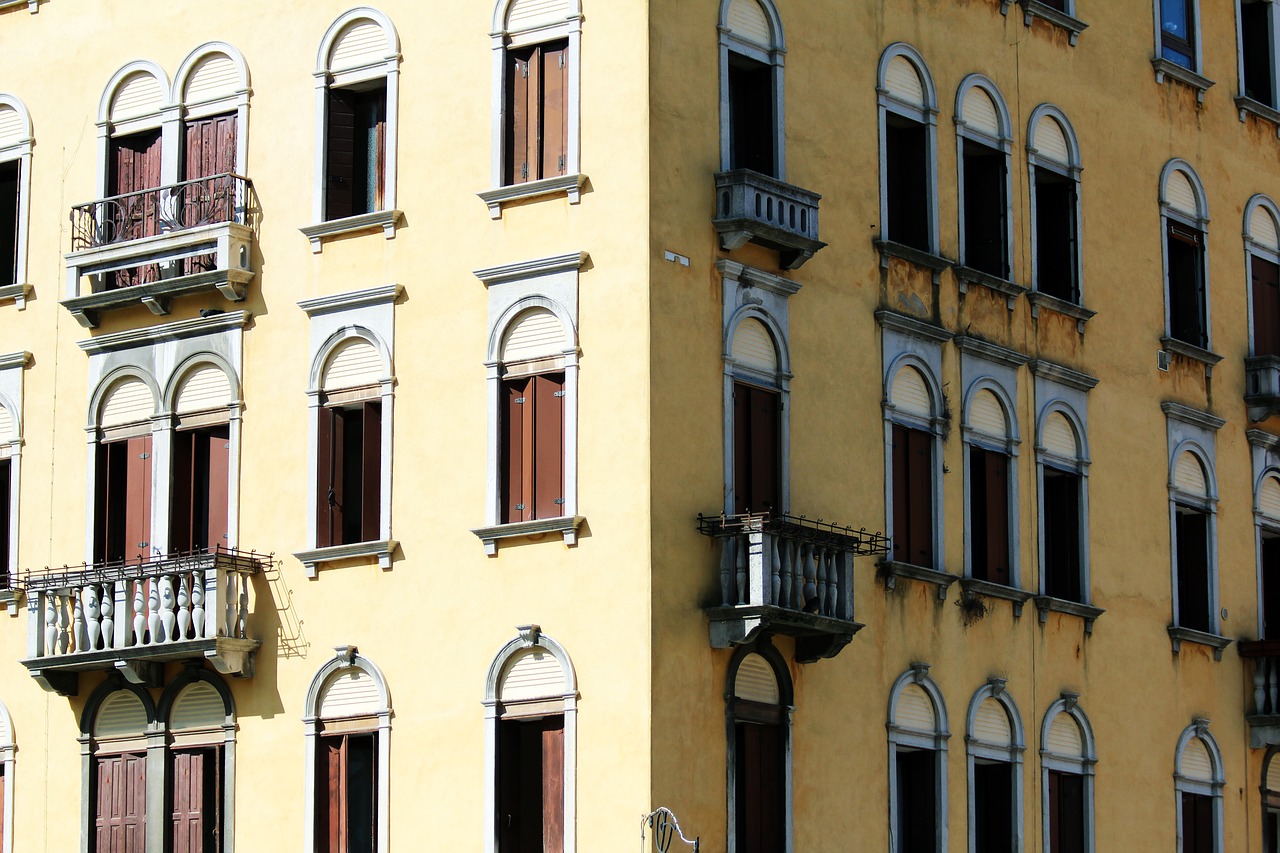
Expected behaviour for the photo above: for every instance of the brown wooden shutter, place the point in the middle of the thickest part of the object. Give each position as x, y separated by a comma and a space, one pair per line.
1266, 306
219, 444
920, 496
134, 164
328, 479
555, 112
378, 168
371, 470
137, 509
901, 496
997, 517
340, 145
741, 443
514, 494
521, 115
330, 796
765, 411
548, 460
553, 784
195, 800
121, 820
760, 794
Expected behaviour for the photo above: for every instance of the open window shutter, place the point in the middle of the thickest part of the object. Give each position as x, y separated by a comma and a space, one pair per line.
182, 492
327, 468
188, 800
371, 470
997, 469
379, 153
521, 86
137, 517
553, 784
340, 155
765, 407
901, 497
331, 794
555, 113
741, 449
101, 504
919, 471
508, 784
6, 496
548, 460
514, 451
219, 442
1266, 306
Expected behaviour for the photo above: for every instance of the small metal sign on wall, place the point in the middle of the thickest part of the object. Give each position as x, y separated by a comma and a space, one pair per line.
665, 830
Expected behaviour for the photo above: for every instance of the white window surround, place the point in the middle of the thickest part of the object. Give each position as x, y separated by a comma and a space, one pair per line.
1245, 104
348, 658
1080, 765
19, 149
1165, 68
1070, 169
1184, 782
549, 283
749, 293
773, 55
786, 703
1258, 245
913, 739
925, 114
162, 357
1010, 752
33, 6
1199, 221
368, 315
12, 370
1002, 141
501, 38
387, 67
528, 637
8, 748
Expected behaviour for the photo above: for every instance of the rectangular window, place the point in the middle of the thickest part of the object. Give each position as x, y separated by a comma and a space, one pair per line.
1056, 236
756, 416
1194, 599
1255, 32
346, 794
989, 515
912, 496
1185, 249
985, 232
1066, 812
751, 115
349, 474
531, 784
122, 505
9, 213
1197, 823
906, 158
195, 800
1061, 504
198, 505
537, 112
120, 797
533, 447
761, 788
917, 801
1271, 588
993, 807
6, 502
1266, 306
1177, 32
356, 151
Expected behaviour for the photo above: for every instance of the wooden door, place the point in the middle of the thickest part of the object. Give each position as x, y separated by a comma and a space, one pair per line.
760, 780
133, 166
196, 800
121, 818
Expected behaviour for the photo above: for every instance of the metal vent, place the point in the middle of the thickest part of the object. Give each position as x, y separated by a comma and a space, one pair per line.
1162, 359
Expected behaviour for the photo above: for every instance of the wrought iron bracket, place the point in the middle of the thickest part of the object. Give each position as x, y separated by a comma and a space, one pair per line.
665, 830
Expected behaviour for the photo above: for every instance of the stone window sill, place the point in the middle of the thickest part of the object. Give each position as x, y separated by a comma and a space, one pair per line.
387, 220
317, 557
1047, 604
966, 276
1035, 9
1179, 635
1078, 313
976, 587
1206, 357
891, 570
17, 292
918, 257
1164, 68
1248, 106
567, 526
570, 185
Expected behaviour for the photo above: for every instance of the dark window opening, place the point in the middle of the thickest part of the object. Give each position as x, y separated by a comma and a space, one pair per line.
1185, 248
752, 123
533, 447
1177, 32
1061, 503
906, 158
1066, 812
6, 503
760, 795
1197, 823
536, 131
531, 785
349, 476
355, 151
9, 202
993, 807
120, 803
912, 496
198, 489
917, 801
347, 794
1270, 587
989, 515
1271, 831
122, 503
1194, 598
1266, 306
1060, 5
756, 420
1056, 236
985, 214
1255, 31
195, 800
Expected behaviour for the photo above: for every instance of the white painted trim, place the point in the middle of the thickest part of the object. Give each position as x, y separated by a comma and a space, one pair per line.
1072, 172
926, 116
1011, 754
935, 742
1199, 729
1002, 382
20, 151
8, 747
1002, 143
786, 704
1199, 222
773, 56
1082, 765
1186, 434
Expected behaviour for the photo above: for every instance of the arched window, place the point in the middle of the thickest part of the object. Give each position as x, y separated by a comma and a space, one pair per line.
1262, 254
16, 140
1198, 782
205, 406
983, 144
1053, 159
123, 470
12, 367
531, 736
755, 480
1064, 505
1184, 218
1067, 759
908, 110
995, 746
752, 126
119, 779
200, 722
759, 750
990, 485
918, 736
1192, 507
912, 432
348, 762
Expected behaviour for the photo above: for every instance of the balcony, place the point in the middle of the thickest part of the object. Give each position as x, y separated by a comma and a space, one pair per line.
133, 617
751, 207
1263, 681
150, 246
789, 575
1262, 386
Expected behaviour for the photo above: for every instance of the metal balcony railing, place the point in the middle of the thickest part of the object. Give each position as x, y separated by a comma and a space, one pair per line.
161, 210
1263, 684
751, 207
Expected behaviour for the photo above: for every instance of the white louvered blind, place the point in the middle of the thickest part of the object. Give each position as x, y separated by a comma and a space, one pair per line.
910, 394
1273, 775
535, 334
747, 20
12, 128
1064, 737
1196, 763
991, 723
914, 710
349, 692
362, 43
206, 387
1180, 194
198, 707
903, 81
1051, 142
1269, 501
755, 681
140, 95
528, 14
1058, 436
535, 674
121, 714
214, 77
986, 415
128, 402
7, 431
753, 346
1262, 228
980, 112
354, 362
1188, 475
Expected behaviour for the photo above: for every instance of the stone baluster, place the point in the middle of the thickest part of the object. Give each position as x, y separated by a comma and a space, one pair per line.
786, 572
242, 627
167, 615
774, 587
153, 611
50, 622
184, 608
108, 615
139, 615
78, 634
197, 603
811, 557
824, 581
797, 576
1273, 684
740, 566
727, 544
92, 616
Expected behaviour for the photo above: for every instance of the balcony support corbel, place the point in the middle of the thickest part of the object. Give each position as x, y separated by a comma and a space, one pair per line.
233, 657
145, 673
62, 683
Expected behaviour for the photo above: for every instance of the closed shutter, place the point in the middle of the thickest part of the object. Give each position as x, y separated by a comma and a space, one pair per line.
1269, 498
1180, 194
912, 496
328, 478
6, 498
533, 447
195, 781
140, 95
13, 127
753, 347
363, 42
515, 504
531, 14
1189, 476
137, 498
350, 692
1058, 436
210, 150
199, 706
756, 456
903, 82
910, 394
370, 470
1197, 764
128, 402
756, 681
1266, 306
1064, 737
991, 723
1262, 228
914, 710
759, 777
214, 77
1051, 142
522, 115
536, 333
134, 164
980, 112
997, 517
120, 814
534, 674
746, 20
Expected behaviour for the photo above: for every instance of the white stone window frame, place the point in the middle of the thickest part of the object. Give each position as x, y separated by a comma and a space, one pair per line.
1192, 431
237, 101
750, 293
386, 69
153, 739
8, 750
550, 284
347, 657
1167, 68
910, 739
1080, 765
528, 637
1003, 143
1071, 170
1245, 104
1001, 379
12, 372
501, 39
1255, 248
1199, 729
927, 116
773, 56
1066, 19
1199, 222
1010, 753
20, 150
367, 315
162, 357
786, 702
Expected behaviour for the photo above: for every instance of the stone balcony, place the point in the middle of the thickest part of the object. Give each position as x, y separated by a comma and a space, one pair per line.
1262, 386
751, 207
1262, 683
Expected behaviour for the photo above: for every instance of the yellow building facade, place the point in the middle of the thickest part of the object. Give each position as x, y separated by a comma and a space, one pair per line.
428, 427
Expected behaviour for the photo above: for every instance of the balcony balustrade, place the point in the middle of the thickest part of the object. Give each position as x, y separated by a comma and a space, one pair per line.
150, 246
751, 207
1262, 386
787, 575
134, 616
1263, 682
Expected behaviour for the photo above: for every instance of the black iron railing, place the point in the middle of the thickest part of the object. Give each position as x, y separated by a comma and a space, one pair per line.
161, 210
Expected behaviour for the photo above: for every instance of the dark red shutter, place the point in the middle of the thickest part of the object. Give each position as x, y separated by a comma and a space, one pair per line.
134, 164
555, 112
521, 115
121, 820
1266, 306
997, 517
553, 784
920, 497
901, 496
192, 819
1271, 588
330, 796
514, 494
328, 470
548, 427
756, 430
741, 443
219, 444
137, 510
371, 470
340, 145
